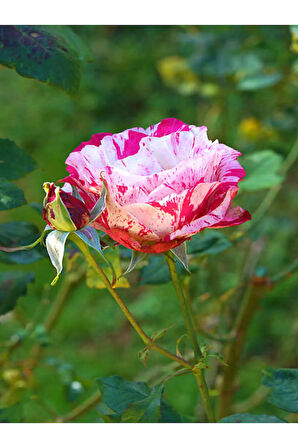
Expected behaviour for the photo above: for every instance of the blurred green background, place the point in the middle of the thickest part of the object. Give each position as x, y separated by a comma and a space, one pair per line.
239, 81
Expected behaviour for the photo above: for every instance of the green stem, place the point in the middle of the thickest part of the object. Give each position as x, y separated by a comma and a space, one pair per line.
199, 330
145, 338
70, 282
249, 304
201, 382
184, 305
81, 409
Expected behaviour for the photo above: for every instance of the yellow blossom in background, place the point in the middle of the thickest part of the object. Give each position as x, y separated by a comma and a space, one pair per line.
250, 128
176, 73
253, 129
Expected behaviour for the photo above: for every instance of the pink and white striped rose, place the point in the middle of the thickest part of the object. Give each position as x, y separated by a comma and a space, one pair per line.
165, 183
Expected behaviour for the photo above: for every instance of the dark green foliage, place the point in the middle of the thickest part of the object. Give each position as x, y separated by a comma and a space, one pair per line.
14, 162
49, 54
118, 393
208, 242
19, 233
134, 402
145, 411
12, 286
156, 271
251, 418
11, 196
284, 388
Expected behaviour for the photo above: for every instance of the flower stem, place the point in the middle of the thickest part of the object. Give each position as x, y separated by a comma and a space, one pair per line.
233, 351
145, 338
81, 409
184, 305
70, 282
249, 304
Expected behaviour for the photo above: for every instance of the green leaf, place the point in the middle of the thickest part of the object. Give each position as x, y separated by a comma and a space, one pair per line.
12, 286
156, 272
11, 196
74, 42
284, 385
49, 54
112, 258
208, 242
106, 414
159, 334
135, 401
251, 418
169, 415
19, 233
256, 82
261, 170
118, 393
147, 410
14, 161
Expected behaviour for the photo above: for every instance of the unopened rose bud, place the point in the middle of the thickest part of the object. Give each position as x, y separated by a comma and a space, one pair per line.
62, 211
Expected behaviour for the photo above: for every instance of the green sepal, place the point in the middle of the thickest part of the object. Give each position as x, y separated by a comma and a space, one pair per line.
90, 237
100, 204
55, 243
181, 253
136, 257
61, 219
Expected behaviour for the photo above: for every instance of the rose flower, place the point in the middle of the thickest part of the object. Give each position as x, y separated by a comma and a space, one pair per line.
164, 184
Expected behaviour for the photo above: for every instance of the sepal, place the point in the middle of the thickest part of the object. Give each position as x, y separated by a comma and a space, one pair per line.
75, 193
55, 211
90, 237
136, 257
181, 254
100, 204
55, 243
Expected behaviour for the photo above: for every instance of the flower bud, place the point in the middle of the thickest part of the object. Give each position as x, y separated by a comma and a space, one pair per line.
62, 211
